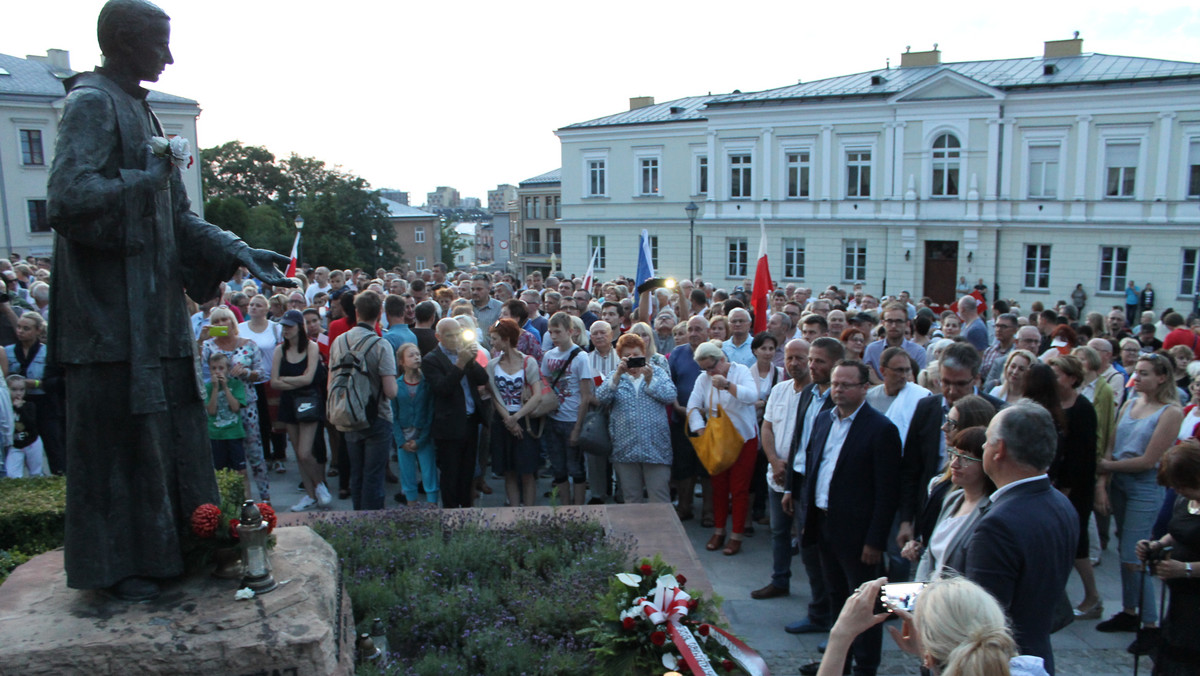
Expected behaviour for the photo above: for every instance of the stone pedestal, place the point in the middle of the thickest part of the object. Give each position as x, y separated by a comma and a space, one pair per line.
194, 627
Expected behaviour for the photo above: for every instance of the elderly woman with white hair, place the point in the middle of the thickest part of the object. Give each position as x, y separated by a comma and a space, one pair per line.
730, 386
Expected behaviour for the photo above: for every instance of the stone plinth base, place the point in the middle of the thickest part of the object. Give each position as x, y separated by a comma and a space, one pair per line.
194, 627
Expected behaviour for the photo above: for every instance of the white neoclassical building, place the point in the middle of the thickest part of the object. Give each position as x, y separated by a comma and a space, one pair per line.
31, 104
1034, 174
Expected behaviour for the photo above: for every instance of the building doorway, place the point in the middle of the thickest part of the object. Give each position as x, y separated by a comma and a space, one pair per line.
941, 271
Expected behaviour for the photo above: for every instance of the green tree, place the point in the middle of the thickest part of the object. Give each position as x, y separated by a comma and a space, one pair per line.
248, 173
452, 242
256, 197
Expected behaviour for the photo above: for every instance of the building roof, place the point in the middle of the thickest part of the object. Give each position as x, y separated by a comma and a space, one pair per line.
1002, 74
28, 77
552, 177
679, 110
398, 210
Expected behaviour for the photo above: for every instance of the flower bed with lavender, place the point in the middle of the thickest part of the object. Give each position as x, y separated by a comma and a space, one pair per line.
461, 594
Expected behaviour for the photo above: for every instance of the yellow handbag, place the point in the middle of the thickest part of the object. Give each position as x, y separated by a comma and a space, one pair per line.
720, 444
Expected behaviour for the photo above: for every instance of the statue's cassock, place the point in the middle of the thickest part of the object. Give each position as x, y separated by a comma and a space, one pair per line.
125, 251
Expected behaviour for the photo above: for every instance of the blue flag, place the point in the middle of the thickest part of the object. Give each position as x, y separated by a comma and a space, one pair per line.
644, 269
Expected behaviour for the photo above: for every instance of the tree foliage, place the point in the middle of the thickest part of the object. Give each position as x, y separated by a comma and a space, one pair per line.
257, 197
452, 242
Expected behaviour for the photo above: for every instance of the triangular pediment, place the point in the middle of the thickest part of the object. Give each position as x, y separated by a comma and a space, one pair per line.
947, 85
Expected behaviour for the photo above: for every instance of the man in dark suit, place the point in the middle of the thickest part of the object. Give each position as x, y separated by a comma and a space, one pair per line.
1023, 547
925, 445
454, 377
814, 399
851, 494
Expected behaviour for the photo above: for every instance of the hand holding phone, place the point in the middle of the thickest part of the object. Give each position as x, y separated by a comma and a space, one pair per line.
901, 595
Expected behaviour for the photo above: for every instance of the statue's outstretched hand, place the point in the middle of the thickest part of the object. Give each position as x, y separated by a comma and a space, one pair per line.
263, 265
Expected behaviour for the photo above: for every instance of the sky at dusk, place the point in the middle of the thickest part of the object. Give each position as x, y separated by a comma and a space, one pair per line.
414, 95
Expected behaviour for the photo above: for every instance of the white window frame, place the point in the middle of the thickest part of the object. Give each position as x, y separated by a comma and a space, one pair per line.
420, 262
419, 234
654, 252
29, 204
1191, 137
701, 176
1042, 137
1189, 271
794, 259
948, 159
1118, 134
602, 257
804, 183
1115, 285
858, 143
647, 164
1039, 256
41, 149
857, 266
590, 156
554, 246
737, 248
745, 174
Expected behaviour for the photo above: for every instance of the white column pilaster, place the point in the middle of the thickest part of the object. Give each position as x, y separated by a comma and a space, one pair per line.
827, 161
1082, 142
1006, 158
768, 163
1166, 125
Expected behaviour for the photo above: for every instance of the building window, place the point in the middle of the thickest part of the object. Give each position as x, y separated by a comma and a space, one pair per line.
1189, 273
1194, 169
1120, 163
1043, 172
858, 173
793, 258
37, 216
698, 255
533, 241
554, 241
702, 175
739, 254
854, 268
1114, 262
654, 252
740, 169
557, 207
597, 185
420, 262
945, 165
537, 207
596, 244
419, 235
798, 165
648, 176
1037, 266
31, 148
529, 213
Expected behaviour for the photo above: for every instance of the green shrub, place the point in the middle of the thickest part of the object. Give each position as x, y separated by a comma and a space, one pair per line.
461, 595
32, 513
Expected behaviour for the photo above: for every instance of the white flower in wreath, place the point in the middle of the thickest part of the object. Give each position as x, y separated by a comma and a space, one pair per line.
670, 662
629, 579
667, 581
244, 594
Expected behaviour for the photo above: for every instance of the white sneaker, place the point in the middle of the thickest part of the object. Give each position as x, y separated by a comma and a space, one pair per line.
324, 499
305, 503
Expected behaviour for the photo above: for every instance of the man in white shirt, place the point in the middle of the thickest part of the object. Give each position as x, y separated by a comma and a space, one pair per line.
319, 284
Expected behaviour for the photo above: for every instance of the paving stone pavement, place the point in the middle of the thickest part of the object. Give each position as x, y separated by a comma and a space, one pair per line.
1079, 650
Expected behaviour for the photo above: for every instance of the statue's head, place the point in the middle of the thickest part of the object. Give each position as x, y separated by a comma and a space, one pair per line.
134, 37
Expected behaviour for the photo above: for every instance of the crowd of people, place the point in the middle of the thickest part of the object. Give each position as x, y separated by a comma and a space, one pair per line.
980, 442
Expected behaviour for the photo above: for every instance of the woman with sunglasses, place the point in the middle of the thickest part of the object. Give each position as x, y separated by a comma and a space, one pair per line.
1146, 428
959, 512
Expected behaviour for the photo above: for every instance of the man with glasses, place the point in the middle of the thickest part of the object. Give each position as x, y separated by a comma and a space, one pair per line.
994, 356
582, 299
925, 445
895, 321
850, 498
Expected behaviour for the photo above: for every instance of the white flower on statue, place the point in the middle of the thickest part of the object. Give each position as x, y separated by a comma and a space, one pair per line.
244, 594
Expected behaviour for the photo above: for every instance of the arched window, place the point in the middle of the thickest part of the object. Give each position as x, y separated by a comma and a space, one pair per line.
945, 165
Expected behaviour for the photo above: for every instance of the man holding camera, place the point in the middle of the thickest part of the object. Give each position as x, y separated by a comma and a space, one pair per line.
454, 379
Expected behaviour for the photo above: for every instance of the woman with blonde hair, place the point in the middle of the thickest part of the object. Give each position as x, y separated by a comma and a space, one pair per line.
1146, 427
957, 629
718, 328
643, 331
1014, 376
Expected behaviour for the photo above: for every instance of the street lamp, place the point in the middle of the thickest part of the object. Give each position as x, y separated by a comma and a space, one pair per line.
691, 210
299, 228
374, 238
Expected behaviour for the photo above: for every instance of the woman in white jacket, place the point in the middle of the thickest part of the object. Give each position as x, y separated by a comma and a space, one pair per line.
731, 387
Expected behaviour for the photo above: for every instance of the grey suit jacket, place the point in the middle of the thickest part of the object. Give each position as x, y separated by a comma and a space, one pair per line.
955, 557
